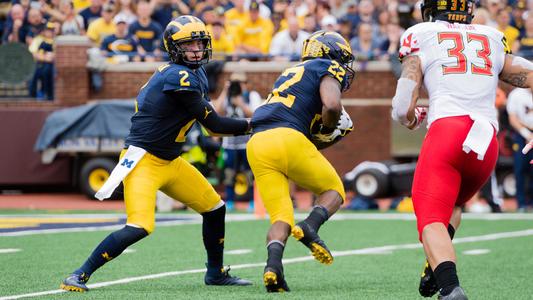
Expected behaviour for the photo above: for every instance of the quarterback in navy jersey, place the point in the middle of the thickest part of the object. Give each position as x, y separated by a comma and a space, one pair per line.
302, 112
168, 105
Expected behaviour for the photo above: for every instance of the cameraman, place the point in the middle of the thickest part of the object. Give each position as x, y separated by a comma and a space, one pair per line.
236, 100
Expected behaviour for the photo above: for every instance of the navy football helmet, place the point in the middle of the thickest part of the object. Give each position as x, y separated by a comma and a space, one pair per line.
330, 45
453, 11
185, 29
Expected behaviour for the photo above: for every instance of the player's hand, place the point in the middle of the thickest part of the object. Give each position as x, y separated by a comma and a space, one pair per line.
345, 124
420, 116
526, 149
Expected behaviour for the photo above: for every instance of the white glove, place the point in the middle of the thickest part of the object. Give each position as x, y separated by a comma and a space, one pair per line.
345, 124
526, 149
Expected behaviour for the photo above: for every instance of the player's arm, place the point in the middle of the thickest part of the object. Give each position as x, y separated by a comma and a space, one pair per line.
330, 93
404, 107
204, 113
517, 71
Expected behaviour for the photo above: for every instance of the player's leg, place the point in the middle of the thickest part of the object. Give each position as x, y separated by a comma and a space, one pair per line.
435, 190
267, 159
311, 170
140, 188
191, 188
229, 177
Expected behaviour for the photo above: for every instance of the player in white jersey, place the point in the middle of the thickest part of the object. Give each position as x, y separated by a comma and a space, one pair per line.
460, 65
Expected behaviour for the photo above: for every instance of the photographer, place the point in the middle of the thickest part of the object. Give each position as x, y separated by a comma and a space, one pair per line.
236, 100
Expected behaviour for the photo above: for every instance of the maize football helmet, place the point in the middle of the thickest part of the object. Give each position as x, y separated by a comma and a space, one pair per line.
185, 29
330, 45
453, 11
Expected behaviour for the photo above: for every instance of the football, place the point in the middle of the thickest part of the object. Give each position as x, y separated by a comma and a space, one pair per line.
323, 140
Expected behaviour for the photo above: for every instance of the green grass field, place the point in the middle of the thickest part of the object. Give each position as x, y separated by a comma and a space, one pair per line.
364, 268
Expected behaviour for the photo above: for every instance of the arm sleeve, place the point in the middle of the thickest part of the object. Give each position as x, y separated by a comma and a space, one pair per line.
206, 115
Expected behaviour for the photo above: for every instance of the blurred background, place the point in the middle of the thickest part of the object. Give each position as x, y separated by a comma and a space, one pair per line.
70, 70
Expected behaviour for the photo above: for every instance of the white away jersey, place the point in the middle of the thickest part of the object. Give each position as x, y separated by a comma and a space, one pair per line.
461, 64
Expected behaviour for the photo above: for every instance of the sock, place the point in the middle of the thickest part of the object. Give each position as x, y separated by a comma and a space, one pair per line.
112, 246
317, 217
275, 253
446, 276
213, 235
451, 231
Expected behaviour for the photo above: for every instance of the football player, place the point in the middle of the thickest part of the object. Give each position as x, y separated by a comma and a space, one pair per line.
282, 147
460, 64
175, 97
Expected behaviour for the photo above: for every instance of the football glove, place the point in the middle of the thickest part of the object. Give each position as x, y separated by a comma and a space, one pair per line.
526, 149
420, 116
327, 135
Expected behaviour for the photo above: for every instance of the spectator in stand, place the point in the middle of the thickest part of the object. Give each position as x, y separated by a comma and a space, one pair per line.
391, 44
345, 28
35, 24
365, 46
15, 29
166, 10
254, 35
329, 23
91, 13
301, 8
287, 45
147, 33
523, 46
384, 19
277, 19
72, 23
221, 42
322, 10
126, 11
264, 9
44, 72
120, 46
517, 15
103, 26
235, 18
481, 17
493, 6
366, 12
310, 24
520, 110
352, 13
80, 5
503, 19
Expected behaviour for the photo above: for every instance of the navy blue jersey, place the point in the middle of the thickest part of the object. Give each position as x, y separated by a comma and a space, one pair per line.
161, 123
295, 100
116, 45
148, 37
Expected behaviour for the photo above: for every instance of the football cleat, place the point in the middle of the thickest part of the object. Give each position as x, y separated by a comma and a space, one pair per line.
274, 280
456, 294
308, 236
223, 278
75, 283
428, 284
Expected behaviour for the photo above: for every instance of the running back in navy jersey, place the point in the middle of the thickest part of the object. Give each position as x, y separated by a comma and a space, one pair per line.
295, 100
160, 124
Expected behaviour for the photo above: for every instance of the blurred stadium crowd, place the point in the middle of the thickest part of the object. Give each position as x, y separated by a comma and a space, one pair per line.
130, 30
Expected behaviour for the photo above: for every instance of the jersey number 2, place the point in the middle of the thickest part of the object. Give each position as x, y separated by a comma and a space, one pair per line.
288, 100
457, 52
